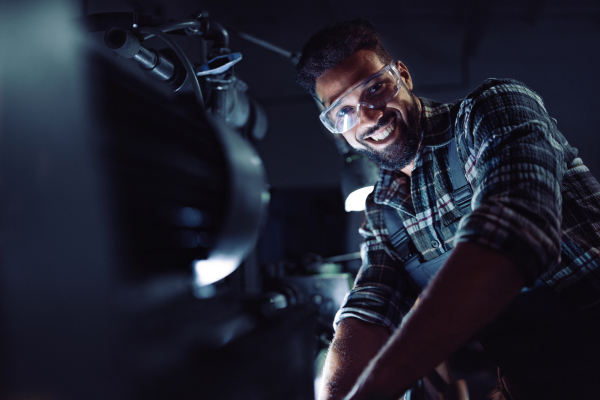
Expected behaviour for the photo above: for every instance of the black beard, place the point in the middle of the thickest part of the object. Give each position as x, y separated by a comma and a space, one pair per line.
403, 150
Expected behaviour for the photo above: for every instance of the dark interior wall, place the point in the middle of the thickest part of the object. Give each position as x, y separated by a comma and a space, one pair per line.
448, 46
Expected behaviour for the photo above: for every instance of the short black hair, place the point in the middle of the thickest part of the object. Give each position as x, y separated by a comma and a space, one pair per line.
333, 44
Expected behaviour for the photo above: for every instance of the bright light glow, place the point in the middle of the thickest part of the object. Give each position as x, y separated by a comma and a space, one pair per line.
135, 26
356, 200
212, 270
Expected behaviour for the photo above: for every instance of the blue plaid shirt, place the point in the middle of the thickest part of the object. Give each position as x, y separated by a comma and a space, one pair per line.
533, 200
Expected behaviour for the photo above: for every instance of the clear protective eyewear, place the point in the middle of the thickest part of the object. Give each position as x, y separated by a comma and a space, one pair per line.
374, 92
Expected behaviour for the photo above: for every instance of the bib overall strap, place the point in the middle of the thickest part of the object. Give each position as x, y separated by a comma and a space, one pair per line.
399, 238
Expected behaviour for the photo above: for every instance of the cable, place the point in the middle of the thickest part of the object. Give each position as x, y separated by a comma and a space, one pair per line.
263, 43
184, 60
175, 26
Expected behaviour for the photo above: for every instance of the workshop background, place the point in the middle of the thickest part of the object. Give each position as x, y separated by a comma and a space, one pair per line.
89, 305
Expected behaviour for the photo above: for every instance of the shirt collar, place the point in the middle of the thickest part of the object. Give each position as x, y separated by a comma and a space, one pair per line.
436, 121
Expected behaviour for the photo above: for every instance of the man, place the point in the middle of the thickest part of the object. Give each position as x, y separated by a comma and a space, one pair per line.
524, 271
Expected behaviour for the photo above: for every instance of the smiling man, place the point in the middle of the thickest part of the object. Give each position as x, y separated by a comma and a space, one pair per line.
518, 265
380, 139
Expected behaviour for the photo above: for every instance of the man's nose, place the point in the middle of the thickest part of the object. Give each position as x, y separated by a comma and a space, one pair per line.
369, 116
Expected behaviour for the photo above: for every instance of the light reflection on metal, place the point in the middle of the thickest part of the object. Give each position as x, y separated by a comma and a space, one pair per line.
214, 269
248, 200
218, 65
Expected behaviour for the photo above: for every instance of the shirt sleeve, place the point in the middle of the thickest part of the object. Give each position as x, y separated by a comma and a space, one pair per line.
382, 293
515, 160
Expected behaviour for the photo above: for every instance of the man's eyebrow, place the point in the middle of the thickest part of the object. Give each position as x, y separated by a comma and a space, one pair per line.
363, 83
368, 80
328, 102
336, 100
341, 95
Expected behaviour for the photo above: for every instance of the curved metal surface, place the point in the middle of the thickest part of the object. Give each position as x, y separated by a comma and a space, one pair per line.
248, 199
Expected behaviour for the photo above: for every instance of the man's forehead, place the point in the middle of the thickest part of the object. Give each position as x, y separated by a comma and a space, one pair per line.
350, 72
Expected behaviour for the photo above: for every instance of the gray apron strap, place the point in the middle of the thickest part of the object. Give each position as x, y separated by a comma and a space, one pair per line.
422, 272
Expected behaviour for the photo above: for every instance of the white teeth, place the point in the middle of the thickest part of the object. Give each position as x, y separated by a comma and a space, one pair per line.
383, 134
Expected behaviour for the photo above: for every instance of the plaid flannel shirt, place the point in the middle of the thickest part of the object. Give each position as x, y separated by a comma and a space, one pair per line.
533, 200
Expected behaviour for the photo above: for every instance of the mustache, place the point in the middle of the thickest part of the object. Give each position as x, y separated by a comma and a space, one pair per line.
383, 121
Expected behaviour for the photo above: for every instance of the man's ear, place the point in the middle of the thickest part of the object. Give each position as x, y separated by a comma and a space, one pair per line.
405, 75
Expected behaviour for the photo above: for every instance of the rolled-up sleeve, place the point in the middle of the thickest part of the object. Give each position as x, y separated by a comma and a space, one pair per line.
514, 161
381, 295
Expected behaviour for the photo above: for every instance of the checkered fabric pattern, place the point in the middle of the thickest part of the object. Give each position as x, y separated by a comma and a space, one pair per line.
533, 200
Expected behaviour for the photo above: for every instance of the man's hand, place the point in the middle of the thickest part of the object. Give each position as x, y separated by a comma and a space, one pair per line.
470, 290
356, 342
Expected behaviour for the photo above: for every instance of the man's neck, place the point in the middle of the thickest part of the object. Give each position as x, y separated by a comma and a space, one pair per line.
408, 169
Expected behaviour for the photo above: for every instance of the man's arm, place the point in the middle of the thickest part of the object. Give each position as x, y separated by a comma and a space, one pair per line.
470, 290
355, 343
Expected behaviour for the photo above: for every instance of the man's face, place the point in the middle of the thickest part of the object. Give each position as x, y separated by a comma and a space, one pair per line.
389, 135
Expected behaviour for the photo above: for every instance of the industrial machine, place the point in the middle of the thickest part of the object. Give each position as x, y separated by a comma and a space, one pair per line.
128, 194
124, 201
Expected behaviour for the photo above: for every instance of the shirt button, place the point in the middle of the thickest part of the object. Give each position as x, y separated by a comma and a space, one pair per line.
435, 244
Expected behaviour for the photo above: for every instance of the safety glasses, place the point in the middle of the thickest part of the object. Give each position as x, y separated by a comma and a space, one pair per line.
374, 92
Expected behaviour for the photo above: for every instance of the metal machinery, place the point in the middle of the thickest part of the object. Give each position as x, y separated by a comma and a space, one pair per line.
123, 200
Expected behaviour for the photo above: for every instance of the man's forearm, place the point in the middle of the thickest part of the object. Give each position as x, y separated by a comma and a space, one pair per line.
469, 292
355, 343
